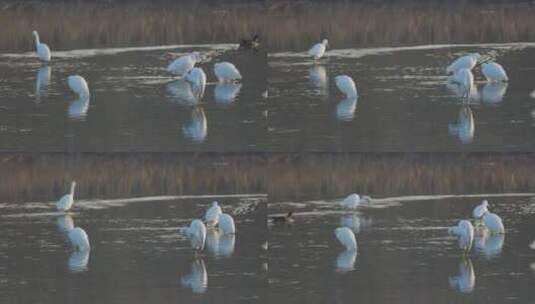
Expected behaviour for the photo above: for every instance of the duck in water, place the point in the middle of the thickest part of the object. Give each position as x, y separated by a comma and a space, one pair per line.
250, 44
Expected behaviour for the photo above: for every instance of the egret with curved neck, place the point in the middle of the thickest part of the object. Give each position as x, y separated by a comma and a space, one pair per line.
66, 201
42, 50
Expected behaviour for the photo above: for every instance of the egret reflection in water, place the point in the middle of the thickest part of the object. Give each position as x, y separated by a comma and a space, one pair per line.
317, 75
196, 128
465, 280
219, 244
493, 92
78, 240
197, 279
182, 92
226, 93
345, 261
78, 108
488, 245
78, 260
464, 128
65, 223
345, 109
42, 80
462, 91
355, 222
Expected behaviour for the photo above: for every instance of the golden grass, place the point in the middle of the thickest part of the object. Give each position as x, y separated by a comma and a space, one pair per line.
316, 176
27, 177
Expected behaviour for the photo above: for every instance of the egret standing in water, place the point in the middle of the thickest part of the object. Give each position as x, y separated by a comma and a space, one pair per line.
226, 72
464, 62
493, 223
197, 234
197, 78
66, 201
318, 49
78, 85
182, 65
346, 85
465, 80
211, 217
42, 50
354, 200
346, 237
464, 231
480, 210
494, 72
226, 224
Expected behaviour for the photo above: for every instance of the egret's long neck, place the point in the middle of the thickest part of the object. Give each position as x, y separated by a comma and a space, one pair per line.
73, 185
36, 36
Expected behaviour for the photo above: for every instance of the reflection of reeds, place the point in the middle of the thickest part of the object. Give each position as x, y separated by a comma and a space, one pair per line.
90, 25
47, 176
334, 175
296, 25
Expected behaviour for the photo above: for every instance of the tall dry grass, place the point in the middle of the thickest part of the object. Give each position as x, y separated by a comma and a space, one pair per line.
77, 24
296, 25
26, 177
316, 176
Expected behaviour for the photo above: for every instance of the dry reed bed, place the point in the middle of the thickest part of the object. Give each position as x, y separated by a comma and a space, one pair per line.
27, 177
329, 176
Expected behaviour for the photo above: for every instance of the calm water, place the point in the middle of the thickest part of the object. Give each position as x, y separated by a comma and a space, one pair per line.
405, 102
404, 253
136, 252
134, 104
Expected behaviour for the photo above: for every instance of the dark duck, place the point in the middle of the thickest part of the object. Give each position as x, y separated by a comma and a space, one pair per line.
250, 44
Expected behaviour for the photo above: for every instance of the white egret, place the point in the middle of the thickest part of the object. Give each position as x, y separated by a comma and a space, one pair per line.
226, 72
489, 246
493, 223
345, 261
78, 85
465, 80
226, 93
480, 210
226, 224
196, 233
211, 217
345, 109
79, 239
354, 200
464, 231
494, 72
183, 64
346, 85
197, 78
465, 62
465, 280
197, 279
318, 49
43, 51
465, 126
220, 244
346, 237
66, 201
78, 108
197, 128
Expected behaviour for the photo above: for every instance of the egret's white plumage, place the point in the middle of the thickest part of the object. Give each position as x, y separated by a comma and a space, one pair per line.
197, 279
493, 92
480, 210
465, 280
494, 72
493, 223
465, 127
226, 72
66, 201
79, 239
197, 234
197, 128
345, 261
465, 62
346, 85
78, 108
211, 217
184, 64
65, 223
346, 237
78, 85
464, 231
220, 244
78, 261
345, 109
354, 200
226, 224
489, 246
465, 80
43, 51
226, 93
197, 78
317, 50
